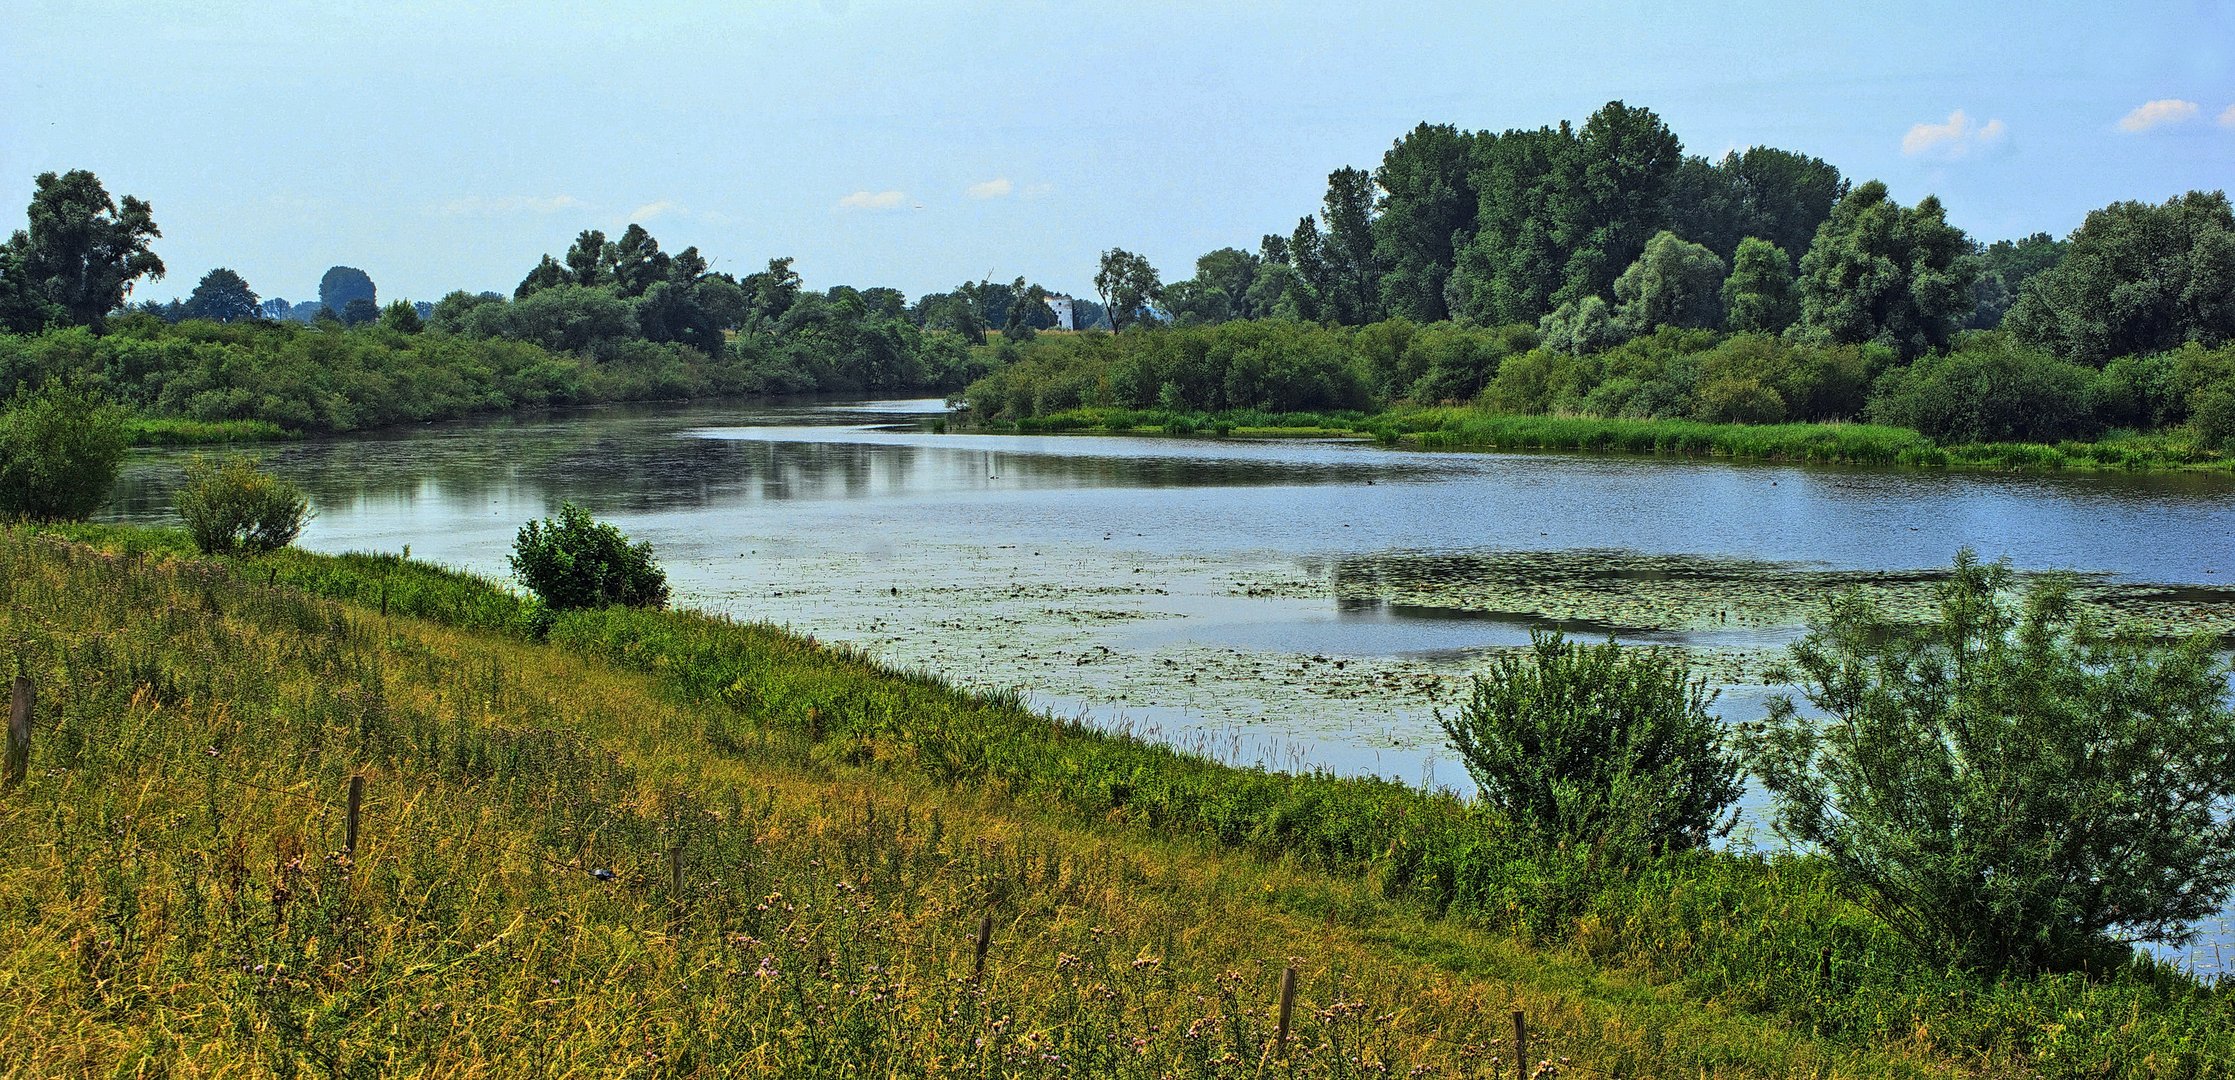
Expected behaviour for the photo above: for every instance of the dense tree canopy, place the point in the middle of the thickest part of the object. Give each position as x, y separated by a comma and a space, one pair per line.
76, 260
1428, 209
1758, 294
2137, 278
1673, 283
1884, 274
222, 296
343, 284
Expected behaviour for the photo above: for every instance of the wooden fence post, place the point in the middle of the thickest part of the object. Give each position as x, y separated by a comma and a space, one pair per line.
349, 823
675, 872
985, 939
19, 733
1520, 1045
1287, 1007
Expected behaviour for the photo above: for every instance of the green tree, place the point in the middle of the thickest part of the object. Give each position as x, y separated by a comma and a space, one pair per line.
586, 259
1349, 285
60, 449
1129, 287
1626, 156
1427, 214
231, 505
1758, 294
222, 296
79, 256
1781, 196
360, 311
546, 274
1598, 745
342, 284
2005, 267
1582, 327
402, 317
2136, 278
1881, 273
2011, 786
1990, 390
571, 560
635, 262
1528, 213
1673, 283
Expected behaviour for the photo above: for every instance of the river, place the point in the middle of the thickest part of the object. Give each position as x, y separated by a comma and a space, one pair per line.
1301, 604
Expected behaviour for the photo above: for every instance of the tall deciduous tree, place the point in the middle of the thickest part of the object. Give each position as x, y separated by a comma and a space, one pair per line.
342, 284
2138, 278
1350, 287
635, 262
1525, 212
222, 296
586, 260
1129, 286
1758, 294
2005, 267
1428, 209
1627, 155
547, 273
78, 257
1882, 273
1674, 282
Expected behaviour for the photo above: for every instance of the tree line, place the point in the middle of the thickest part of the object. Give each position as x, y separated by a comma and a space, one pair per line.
1605, 232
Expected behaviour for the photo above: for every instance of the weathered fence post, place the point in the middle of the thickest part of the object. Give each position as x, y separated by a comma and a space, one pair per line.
985, 939
349, 822
675, 872
1520, 1045
19, 733
1287, 1007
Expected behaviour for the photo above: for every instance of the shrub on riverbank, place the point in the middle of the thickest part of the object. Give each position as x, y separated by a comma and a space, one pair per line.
231, 505
60, 449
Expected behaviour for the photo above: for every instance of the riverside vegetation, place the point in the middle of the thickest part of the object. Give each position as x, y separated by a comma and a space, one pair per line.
177, 894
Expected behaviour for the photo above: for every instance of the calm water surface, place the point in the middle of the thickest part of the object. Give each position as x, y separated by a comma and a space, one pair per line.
1206, 592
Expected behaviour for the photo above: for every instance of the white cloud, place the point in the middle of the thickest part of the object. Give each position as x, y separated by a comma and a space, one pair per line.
2158, 113
2227, 119
1955, 138
651, 210
491, 206
1038, 191
997, 188
873, 200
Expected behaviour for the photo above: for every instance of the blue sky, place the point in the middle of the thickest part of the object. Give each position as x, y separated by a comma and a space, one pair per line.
443, 146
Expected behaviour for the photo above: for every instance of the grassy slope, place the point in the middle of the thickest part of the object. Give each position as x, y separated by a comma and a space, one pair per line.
1473, 428
840, 826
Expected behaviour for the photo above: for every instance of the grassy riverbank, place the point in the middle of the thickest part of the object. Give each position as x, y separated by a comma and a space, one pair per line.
173, 897
1476, 428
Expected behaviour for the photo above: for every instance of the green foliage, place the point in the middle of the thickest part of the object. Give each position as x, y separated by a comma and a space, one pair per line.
230, 505
60, 449
572, 561
1427, 213
1880, 273
2011, 787
1758, 294
1598, 747
1582, 327
2136, 278
77, 259
341, 285
2005, 267
401, 317
1674, 283
1129, 287
221, 296
1987, 390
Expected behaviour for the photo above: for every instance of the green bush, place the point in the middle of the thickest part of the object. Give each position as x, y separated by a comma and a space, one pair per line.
1990, 391
574, 561
60, 448
1598, 745
2009, 786
230, 505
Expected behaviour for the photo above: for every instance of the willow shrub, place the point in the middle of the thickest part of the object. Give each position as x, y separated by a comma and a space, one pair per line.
572, 560
60, 449
2010, 786
230, 505
1599, 747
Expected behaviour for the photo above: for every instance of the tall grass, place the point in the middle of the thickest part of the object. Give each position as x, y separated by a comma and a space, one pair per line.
841, 826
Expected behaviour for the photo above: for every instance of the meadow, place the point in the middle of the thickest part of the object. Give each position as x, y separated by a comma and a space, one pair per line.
622, 842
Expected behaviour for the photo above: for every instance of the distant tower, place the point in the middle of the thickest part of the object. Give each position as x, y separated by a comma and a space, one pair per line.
1064, 320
